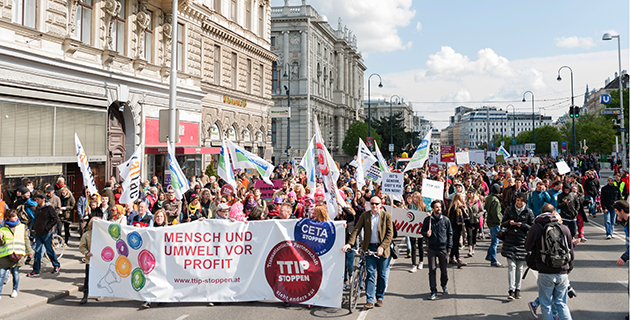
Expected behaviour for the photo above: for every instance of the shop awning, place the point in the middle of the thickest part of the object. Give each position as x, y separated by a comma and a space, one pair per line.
182, 150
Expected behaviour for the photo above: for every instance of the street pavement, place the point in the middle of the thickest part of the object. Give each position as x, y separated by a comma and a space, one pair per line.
477, 291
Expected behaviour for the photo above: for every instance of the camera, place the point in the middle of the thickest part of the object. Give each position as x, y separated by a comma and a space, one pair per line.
571, 292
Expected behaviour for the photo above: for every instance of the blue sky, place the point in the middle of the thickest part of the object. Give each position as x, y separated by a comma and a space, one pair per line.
440, 54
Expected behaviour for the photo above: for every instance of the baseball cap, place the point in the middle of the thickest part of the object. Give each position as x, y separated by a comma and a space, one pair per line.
223, 206
41, 196
50, 189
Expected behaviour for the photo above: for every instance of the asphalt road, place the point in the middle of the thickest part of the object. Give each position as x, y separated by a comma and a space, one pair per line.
478, 291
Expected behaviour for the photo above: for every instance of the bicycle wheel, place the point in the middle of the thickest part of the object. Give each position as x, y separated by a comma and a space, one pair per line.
355, 287
59, 245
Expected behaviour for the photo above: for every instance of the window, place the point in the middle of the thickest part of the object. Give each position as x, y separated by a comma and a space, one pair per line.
234, 70
119, 28
148, 39
262, 80
233, 10
249, 76
261, 13
25, 12
248, 15
274, 77
217, 6
83, 22
273, 41
180, 47
217, 65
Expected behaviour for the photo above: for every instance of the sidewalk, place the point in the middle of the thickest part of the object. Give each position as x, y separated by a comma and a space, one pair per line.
33, 292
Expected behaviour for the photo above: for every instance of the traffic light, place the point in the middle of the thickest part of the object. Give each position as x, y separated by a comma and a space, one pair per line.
571, 111
577, 112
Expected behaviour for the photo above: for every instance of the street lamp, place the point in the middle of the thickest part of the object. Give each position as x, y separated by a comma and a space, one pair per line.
624, 162
513, 119
380, 85
572, 103
287, 75
391, 126
533, 117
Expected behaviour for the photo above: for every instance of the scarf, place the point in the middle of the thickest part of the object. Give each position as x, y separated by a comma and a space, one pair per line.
159, 225
12, 224
192, 209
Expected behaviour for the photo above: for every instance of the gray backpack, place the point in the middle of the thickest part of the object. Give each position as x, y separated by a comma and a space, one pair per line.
554, 250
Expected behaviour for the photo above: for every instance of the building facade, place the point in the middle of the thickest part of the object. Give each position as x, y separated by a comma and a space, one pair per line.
101, 69
322, 71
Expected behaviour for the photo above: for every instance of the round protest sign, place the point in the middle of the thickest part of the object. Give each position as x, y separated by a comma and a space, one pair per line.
320, 236
434, 169
294, 271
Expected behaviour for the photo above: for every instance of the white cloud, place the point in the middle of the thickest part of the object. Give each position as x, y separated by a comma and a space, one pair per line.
575, 42
374, 22
447, 62
419, 26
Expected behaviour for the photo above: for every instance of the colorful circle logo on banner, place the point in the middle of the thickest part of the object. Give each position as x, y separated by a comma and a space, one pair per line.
107, 254
434, 169
320, 236
146, 261
293, 271
123, 266
114, 231
452, 170
135, 240
227, 190
122, 248
138, 280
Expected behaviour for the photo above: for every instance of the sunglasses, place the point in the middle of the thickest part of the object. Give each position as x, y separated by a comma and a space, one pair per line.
375, 203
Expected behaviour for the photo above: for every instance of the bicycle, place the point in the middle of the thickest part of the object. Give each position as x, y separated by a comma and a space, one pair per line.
357, 281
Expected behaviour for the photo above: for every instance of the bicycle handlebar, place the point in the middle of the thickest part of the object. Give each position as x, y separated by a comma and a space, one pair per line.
366, 252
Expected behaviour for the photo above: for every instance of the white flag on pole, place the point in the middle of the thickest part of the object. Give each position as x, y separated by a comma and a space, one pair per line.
130, 172
82, 161
329, 172
308, 163
224, 168
178, 179
421, 155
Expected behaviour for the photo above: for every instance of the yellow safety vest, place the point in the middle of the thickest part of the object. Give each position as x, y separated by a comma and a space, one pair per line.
13, 243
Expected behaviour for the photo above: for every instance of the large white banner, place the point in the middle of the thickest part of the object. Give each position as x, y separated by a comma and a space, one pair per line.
297, 261
408, 223
82, 161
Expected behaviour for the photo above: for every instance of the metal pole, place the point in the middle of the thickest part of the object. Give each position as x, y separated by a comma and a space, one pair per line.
572, 103
380, 85
172, 102
289, 106
488, 126
391, 129
624, 159
533, 117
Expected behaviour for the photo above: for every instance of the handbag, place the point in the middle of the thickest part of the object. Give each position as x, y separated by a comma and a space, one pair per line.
14, 257
502, 233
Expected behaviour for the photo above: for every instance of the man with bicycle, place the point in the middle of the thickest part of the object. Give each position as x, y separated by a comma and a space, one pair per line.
437, 229
378, 235
46, 219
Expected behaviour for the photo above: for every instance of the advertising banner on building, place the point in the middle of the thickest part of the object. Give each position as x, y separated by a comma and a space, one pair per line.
296, 261
447, 153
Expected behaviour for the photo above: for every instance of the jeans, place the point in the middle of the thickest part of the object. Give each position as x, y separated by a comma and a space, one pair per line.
416, 246
441, 256
40, 243
552, 289
349, 265
86, 282
609, 220
572, 225
592, 206
15, 272
457, 234
515, 272
494, 243
377, 273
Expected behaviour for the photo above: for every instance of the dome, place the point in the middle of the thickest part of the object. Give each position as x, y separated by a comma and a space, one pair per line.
323, 18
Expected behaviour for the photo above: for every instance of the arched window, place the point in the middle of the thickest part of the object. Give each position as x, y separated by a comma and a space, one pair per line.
214, 132
231, 133
246, 136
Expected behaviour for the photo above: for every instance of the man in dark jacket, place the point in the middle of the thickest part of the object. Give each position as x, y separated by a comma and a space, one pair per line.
46, 219
610, 194
518, 219
569, 203
591, 191
495, 215
553, 283
109, 193
437, 229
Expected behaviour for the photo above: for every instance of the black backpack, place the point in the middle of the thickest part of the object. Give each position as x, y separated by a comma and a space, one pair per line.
554, 250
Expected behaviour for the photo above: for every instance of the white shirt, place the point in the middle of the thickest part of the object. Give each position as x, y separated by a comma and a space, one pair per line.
374, 221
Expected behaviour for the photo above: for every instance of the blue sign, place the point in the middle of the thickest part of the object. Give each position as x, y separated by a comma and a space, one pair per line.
320, 236
491, 144
604, 98
564, 146
514, 141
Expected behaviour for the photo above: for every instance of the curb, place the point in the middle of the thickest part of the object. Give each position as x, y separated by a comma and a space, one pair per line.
41, 301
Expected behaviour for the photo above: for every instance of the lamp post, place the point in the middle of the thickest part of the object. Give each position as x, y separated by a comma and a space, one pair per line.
380, 85
624, 159
412, 126
513, 119
287, 75
572, 103
533, 117
391, 125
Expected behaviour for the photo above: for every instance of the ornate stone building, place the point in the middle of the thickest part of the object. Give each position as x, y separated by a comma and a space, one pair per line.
324, 72
101, 68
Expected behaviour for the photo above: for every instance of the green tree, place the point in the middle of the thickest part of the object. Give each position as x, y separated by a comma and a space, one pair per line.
210, 170
357, 130
614, 103
402, 139
599, 133
544, 136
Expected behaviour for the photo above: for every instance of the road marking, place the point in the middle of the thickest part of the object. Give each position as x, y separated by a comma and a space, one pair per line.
183, 317
615, 233
363, 314
623, 283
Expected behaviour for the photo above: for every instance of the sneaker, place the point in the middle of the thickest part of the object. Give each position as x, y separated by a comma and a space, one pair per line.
413, 269
582, 239
510, 295
146, 305
452, 261
433, 295
14, 294
210, 304
517, 294
608, 237
498, 264
32, 274
445, 290
461, 264
469, 254
56, 270
612, 236
532, 309
421, 265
